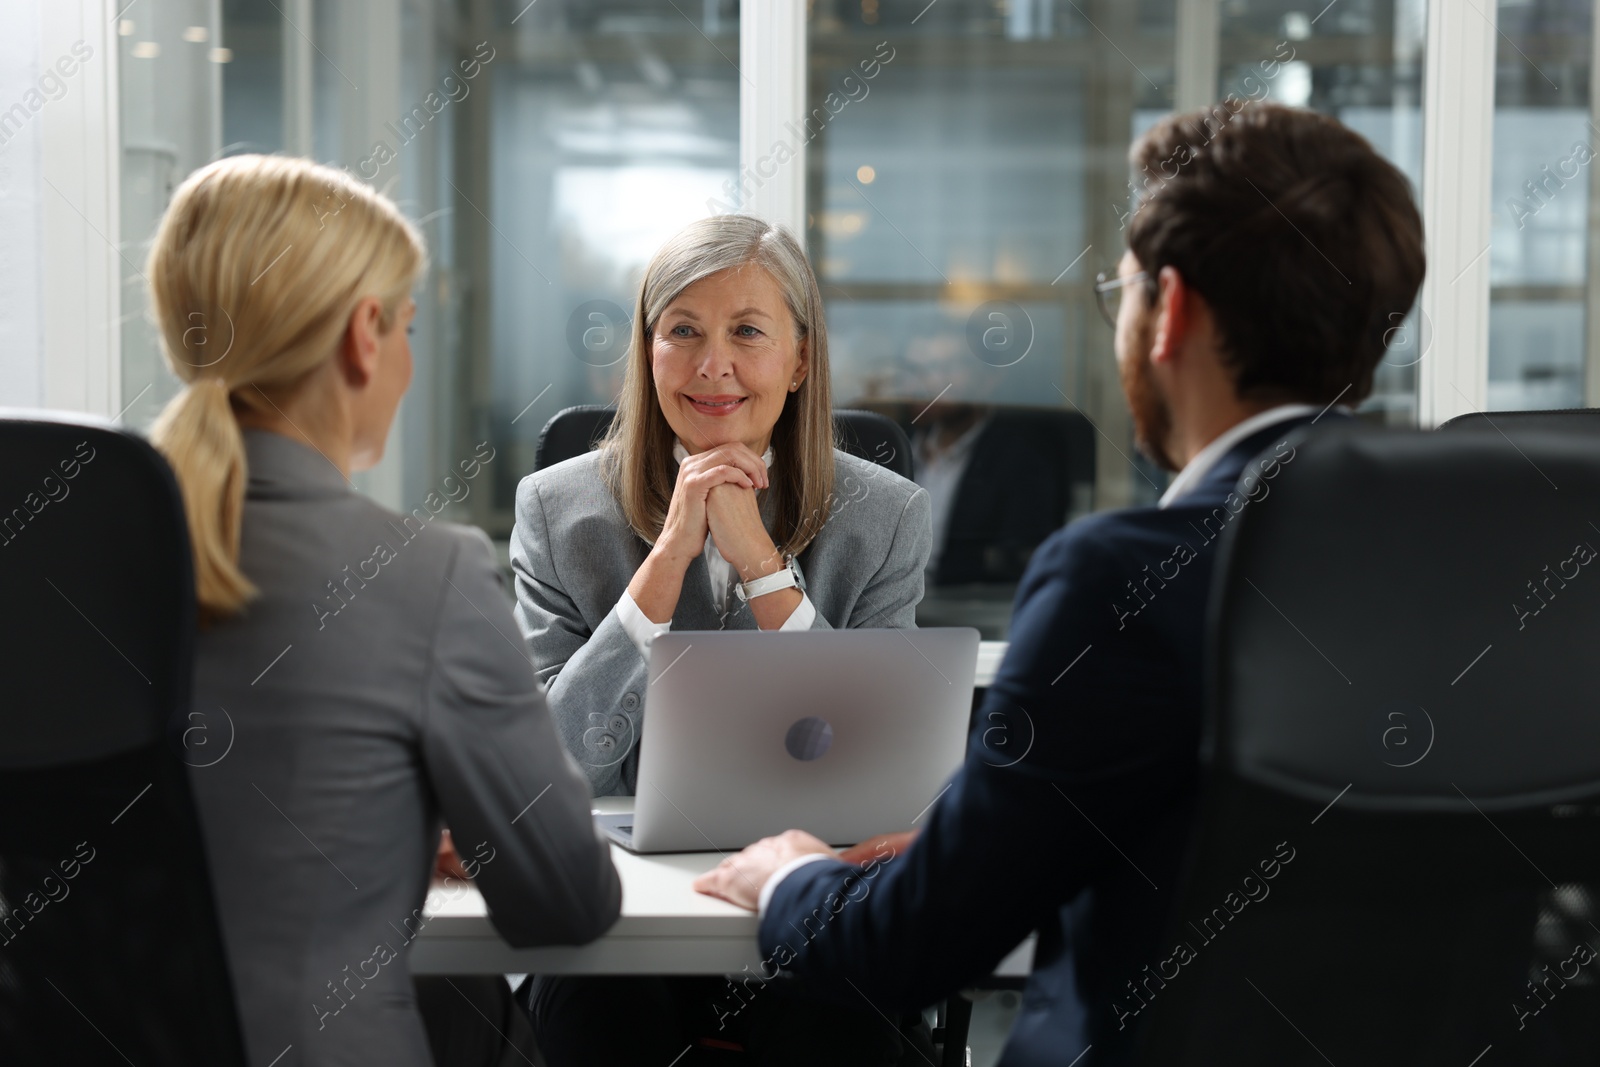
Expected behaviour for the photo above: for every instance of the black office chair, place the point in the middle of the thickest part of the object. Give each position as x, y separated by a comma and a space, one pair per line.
1026, 473
575, 430
1580, 419
1400, 828
109, 944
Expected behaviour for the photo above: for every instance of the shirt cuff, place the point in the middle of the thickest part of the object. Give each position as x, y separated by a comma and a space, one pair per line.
640, 630
785, 871
801, 617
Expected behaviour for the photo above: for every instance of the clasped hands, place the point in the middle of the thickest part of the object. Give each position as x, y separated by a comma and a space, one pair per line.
739, 878
716, 494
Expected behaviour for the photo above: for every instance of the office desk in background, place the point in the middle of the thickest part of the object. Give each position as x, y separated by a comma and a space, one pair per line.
665, 928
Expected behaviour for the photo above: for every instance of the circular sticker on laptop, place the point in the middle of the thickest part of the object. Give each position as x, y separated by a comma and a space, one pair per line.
809, 738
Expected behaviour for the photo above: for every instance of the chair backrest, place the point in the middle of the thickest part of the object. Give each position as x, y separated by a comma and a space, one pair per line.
1580, 419
575, 430
572, 432
1397, 857
1070, 434
108, 935
875, 437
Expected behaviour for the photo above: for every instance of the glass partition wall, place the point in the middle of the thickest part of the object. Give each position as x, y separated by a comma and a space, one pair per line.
962, 199
1360, 61
172, 63
959, 205
966, 178
544, 150
1540, 232
607, 131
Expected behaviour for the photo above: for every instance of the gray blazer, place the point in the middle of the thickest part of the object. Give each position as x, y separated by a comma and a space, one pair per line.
573, 556
377, 684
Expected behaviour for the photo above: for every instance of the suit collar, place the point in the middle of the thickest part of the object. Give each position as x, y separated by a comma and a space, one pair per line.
1195, 471
282, 468
1224, 473
680, 453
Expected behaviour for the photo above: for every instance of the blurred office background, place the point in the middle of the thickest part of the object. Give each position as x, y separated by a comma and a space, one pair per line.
962, 175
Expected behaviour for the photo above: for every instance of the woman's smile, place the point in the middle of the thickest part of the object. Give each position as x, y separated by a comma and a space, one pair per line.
715, 404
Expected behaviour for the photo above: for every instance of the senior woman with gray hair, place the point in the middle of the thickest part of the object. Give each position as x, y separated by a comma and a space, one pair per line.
716, 501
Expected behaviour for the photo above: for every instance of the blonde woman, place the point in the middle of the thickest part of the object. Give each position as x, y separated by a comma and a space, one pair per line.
350, 658
717, 500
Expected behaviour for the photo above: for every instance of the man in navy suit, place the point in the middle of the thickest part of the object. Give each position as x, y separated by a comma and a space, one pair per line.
1271, 256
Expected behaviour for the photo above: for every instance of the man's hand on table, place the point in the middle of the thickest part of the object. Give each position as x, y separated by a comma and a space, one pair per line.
739, 878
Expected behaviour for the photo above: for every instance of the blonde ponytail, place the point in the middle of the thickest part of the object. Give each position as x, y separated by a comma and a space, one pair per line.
254, 273
200, 438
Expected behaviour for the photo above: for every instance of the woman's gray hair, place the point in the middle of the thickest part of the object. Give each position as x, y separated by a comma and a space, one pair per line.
638, 448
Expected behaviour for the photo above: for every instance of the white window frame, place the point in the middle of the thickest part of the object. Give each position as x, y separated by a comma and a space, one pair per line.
1457, 168
81, 266
772, 102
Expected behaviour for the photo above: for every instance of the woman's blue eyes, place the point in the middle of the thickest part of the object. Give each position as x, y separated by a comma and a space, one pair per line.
746, 331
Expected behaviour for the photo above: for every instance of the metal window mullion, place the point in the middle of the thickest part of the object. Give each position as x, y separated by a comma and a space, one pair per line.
217, 27
299, 83
369, 54
1197, 48
1591, 316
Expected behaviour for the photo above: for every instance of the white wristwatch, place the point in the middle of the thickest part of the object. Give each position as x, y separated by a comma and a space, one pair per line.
787, 578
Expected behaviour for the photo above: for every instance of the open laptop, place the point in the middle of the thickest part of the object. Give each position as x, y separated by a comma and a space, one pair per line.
843, 733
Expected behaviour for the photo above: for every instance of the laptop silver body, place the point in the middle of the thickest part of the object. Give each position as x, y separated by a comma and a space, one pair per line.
843, 733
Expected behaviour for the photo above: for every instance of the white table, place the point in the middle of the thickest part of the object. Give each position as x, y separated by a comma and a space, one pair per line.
990, 653
665, 928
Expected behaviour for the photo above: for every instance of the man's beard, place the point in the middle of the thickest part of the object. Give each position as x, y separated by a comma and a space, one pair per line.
1152, 418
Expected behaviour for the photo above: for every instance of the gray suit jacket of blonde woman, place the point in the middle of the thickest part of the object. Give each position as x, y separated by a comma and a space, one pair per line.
573, 555
377, 684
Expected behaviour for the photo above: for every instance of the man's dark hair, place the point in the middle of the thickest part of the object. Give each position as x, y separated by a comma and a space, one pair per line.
1305, 243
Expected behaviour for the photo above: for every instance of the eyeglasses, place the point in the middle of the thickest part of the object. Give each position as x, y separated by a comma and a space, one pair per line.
1108, 293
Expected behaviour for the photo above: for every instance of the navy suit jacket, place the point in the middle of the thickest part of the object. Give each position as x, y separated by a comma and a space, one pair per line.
1073, 807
